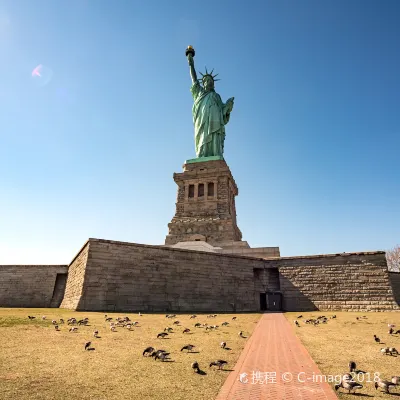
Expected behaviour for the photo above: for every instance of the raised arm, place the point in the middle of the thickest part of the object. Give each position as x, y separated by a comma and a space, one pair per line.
192, 70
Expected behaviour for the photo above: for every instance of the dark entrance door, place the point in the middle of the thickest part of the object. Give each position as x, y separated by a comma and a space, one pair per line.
263, 301
274, 301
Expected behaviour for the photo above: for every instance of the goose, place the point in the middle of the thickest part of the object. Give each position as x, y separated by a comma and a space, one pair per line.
240, 334
73, 329
30, 317
300, 316
377, 340
225, 324
56, 328
112, 329
193, 316
188, 347
148, 351
353, 366
297, 323
54, 322
385, 385
195, 367
168, 329
223, 345
385, 350
219, 363
234, 318
187, 330
161, 356
393, 351
95, 333
390, 332
197, 325
348, 385
61, 321
162, 335
108, 319
87, 345
176, 322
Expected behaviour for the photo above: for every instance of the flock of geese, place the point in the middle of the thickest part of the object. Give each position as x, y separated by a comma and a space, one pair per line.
348, 381
149, 351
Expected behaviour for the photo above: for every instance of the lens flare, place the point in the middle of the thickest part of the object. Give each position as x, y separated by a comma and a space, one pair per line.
41, 75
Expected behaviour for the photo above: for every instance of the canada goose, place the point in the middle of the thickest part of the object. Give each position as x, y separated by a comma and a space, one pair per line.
385, 385
168, 329
223, 345
225, 324
61, 321
108, 319
385, 350
161, 356
112, 329
95, 333
393, 351
197, 325
390, 332
234, 318
188, 347
87, 345
219, 363
187, 330
30, 317
176, 322
297, 323
300, 316
148, 350
348, 385
56, 328
54, 322
162, 335
377, 340
195, 367
241, 334
73, 329
353, 368
193, 316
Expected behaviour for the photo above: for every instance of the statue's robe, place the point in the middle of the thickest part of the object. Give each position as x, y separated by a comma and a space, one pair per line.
210, 115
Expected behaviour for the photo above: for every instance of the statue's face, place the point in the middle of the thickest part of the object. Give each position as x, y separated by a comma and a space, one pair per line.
208, 83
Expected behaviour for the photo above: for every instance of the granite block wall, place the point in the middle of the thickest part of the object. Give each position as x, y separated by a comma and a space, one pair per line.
395, 281
29, 285
348, 282
128, 276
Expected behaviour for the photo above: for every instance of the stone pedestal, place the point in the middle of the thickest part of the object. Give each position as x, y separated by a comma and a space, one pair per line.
205, 207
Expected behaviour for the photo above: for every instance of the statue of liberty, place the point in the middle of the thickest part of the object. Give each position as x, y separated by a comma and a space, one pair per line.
210, 114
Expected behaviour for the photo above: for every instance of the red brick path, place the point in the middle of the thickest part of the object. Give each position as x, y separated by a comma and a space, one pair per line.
274, 347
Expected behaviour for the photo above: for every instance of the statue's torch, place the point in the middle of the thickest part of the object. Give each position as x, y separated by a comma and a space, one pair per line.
190, 50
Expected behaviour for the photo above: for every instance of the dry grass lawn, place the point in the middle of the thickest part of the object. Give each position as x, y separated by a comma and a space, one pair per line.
345, 338
39, 363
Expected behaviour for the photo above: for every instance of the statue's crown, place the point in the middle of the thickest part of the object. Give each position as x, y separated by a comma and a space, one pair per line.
210, 74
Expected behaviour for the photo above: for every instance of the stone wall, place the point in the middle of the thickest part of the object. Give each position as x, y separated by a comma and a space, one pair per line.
348, 281
109, 275
395, 281
28, 285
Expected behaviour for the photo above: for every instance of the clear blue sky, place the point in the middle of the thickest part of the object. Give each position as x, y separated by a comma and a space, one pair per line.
313, 141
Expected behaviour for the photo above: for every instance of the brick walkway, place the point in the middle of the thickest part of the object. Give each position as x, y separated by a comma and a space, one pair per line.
274, 347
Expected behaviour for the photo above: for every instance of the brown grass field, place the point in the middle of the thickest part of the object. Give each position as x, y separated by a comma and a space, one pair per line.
345, 338
39, 363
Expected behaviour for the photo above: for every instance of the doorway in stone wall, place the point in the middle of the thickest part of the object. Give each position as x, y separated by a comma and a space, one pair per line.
263, 301
274, 301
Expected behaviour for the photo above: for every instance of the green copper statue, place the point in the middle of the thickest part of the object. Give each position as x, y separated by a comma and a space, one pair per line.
210, 114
